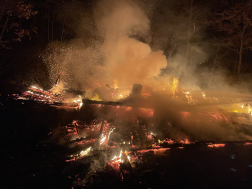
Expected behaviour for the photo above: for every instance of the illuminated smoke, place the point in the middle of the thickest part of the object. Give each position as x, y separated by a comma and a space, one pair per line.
113, 55
127, 59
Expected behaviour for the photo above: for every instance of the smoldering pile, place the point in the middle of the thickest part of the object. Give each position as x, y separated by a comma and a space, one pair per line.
119, 148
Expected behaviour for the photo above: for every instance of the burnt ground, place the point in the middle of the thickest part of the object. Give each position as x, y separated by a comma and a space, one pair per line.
28, 160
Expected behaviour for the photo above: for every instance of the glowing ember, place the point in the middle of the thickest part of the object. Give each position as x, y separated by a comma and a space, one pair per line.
85, 152
189, 98
117, 159
185, 114
103, 138
248, 143
96, 97
203, 95
215, 145
174, 86
78, 101
153, 150
86, 142
242, 108
169, 141
150, 136
37, 94
185, 141
115, 84
128, 157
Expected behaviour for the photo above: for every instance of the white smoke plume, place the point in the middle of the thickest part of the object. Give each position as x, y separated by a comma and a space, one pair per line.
114, 54
117, 51
127, 59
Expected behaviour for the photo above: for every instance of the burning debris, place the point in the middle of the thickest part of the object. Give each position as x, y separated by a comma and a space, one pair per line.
185, 112
131, 123
129, 107
215, 145
38, 94
50, 97
248, 143
125, 135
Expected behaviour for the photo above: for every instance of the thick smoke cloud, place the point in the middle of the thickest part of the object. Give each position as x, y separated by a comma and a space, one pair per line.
116, 48
127, 59
113, 54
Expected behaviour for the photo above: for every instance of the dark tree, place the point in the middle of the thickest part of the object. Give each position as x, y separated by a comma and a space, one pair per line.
233, 27
13, 17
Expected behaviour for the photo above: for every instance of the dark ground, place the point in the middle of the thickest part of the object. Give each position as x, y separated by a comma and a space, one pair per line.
28, 162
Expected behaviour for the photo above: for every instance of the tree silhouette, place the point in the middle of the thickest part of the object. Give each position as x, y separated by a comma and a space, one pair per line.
233, 27
13, 15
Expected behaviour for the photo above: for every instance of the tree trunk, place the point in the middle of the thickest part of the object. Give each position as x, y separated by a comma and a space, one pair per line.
4, 27
48, 29
63, 29
188, 45
241, 51
52, 27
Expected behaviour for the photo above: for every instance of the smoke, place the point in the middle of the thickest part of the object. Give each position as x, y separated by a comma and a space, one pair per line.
113, 54
127, 59
79, 67
134, 42
129, 43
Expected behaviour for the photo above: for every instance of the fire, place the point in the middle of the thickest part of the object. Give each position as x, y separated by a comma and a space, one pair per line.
34, 87
203, 95
96, 97
189, 97
51, 97
150, 136
110, 132
57, 89
185, 141
185, 114
86, 142
243, 108
248, 143
174, 86
115, 84
128, 157
79, 101
80, 155
249, 111
104, 138
38, 94
85, 152
147, 111
169, 141
117, 159
215, 145
153, 150
120, 93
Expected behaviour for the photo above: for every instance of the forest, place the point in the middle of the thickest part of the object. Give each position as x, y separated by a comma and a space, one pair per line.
205, 37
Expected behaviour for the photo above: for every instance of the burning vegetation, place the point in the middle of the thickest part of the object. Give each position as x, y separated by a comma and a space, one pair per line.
121, 102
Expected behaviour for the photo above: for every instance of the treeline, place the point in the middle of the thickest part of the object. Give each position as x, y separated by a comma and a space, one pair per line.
222, 28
